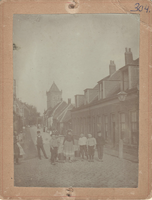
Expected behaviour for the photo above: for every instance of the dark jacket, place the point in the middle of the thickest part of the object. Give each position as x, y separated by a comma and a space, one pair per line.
39, 141
100, 141
68, 138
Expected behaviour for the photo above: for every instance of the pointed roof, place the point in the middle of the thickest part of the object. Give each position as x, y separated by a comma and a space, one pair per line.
54, 88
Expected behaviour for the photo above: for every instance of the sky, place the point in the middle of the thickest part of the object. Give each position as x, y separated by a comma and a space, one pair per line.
73, 50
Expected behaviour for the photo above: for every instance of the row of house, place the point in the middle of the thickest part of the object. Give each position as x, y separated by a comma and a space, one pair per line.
23, 114
111, 106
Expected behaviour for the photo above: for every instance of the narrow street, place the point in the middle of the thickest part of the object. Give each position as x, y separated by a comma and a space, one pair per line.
112, 172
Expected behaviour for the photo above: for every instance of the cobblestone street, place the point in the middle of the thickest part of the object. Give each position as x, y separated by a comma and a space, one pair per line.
112, 172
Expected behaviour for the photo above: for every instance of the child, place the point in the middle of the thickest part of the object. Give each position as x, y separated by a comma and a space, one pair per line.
91, 143
54, 144
100, 145
83, 146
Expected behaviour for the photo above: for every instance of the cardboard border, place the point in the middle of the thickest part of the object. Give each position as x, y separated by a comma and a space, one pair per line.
7, 9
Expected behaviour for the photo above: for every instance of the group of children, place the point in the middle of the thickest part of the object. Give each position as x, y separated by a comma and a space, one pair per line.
64, 148
88, 145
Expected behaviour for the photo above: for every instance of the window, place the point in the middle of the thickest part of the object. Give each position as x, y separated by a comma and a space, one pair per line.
134, 128
134, 121
122, 122
106, 126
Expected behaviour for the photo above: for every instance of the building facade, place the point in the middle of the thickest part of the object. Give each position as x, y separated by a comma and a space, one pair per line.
112, 106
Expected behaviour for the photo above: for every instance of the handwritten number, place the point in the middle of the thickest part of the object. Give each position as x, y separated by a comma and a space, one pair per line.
146, 8
139, 8
136, 7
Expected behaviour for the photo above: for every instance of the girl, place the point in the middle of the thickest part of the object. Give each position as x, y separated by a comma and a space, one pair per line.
69, 146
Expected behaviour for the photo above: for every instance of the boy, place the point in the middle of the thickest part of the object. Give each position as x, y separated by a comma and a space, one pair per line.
83, 146
91, 143
54, 144
39, 144
100, 145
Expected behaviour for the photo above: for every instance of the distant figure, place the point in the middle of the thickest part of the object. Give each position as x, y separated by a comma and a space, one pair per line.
16, 149
69, 146
54, 144
83, 146
60, 156
44, 129
100, 144
91, 142
39, 143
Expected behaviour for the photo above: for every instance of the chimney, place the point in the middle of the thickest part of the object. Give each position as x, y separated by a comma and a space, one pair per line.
112, 67
128, 56
69, 101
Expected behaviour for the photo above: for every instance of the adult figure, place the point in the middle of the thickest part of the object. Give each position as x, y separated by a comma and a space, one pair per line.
100, 145
39, 144
69, 146
91, 143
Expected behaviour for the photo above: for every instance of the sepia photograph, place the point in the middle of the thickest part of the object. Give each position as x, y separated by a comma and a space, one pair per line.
76, 100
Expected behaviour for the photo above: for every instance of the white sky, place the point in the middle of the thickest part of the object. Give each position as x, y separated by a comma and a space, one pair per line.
74, 50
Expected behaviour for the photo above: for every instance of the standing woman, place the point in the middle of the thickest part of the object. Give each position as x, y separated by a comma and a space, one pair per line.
68, 146
16, 149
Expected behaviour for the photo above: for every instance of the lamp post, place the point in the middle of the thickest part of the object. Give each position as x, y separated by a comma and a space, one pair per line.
121, 96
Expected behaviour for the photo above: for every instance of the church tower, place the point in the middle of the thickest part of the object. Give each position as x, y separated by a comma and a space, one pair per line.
54, 96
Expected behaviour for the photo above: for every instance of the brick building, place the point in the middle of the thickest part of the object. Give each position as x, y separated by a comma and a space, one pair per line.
112, 106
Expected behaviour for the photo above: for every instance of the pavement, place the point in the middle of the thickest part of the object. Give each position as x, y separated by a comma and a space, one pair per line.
112, 172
